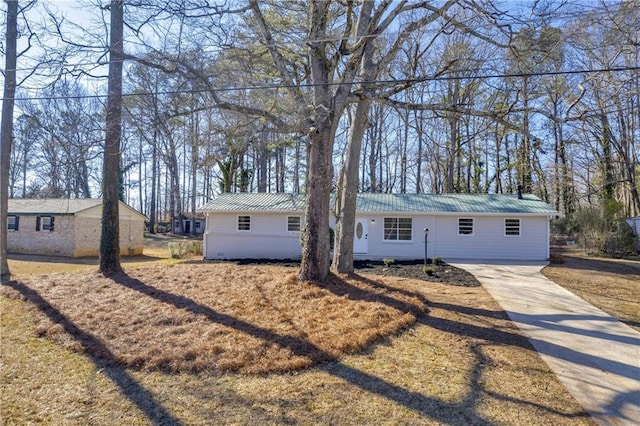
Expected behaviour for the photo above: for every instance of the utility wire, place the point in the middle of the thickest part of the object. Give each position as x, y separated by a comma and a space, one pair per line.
406, 81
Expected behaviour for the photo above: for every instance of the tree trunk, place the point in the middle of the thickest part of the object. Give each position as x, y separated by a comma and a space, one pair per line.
110, 240
153, 209
314, 265
6, 134
348, 192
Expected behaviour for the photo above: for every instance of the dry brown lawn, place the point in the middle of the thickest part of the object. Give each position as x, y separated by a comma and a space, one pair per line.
612, 285
226, 344
218, 317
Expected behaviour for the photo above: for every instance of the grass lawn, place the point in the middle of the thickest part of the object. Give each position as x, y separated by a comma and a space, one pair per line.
172, 343
612, 285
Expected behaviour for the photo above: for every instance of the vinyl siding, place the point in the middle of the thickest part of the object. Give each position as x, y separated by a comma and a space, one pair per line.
267, 239
487, 242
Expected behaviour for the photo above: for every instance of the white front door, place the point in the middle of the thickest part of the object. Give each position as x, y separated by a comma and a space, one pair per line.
361, 236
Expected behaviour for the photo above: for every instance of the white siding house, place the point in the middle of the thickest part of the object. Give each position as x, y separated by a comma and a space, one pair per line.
460, 226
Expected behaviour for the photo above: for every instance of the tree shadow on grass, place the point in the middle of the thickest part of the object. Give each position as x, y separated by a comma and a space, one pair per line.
597, 265
102, 358
464, 411
37, 258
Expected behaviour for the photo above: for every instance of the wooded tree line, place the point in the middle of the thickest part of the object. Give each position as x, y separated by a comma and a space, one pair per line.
297, 96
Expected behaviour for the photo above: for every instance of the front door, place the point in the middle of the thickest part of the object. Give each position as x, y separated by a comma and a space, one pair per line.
361, 237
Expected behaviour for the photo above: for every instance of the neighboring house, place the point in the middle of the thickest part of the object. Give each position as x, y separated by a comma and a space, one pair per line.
460, 226
68, 227
634, 223
191, 225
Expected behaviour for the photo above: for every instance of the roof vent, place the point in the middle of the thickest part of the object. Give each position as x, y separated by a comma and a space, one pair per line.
519, 192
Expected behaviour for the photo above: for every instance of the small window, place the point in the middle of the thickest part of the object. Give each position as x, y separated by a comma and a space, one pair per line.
13, 223
512, 227
293, 223
244, 223
465, 226
397, 228
44, 223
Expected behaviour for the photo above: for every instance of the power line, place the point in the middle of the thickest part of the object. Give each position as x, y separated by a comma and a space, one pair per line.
407, 81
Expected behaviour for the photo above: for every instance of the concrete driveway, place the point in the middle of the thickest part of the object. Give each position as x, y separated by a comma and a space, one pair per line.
595, 356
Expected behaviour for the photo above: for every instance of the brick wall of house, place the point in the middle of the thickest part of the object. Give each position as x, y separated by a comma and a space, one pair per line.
72, 236
26, 239
87, 236
131, 237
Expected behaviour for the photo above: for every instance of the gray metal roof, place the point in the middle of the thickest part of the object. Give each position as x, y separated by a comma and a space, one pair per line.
453, 203
256, 202
389, 203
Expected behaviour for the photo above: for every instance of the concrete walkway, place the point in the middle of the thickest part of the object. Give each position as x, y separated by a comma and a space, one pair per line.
595, 356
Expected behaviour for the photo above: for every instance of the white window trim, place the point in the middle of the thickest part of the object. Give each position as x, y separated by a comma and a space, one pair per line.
41, 223
238, 223
396, 241
299, 223
473, 226
519, 227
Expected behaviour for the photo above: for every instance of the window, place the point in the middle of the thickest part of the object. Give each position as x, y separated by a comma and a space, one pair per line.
512, 227
465, 226
293, 223
244, 223
44, 223
13, 223
397, 228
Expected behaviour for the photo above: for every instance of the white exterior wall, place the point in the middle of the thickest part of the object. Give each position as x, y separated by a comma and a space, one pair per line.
267, 239
487, 242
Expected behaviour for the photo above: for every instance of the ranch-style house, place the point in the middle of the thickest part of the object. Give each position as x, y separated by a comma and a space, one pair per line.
397, 226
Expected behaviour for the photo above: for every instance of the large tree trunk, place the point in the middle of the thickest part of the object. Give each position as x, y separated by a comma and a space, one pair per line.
348, 189
6, 134
110, 240
348, 192
314, 264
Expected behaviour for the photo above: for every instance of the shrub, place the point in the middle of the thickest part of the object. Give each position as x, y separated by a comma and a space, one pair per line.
180, 249
427, 270
388, 262
437, 260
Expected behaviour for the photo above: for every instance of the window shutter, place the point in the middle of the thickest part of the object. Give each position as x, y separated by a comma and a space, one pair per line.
51, 228
37, 223
17, 223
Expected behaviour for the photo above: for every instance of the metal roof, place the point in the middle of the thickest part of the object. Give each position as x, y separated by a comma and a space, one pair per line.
256, 202
453, 203
389, 203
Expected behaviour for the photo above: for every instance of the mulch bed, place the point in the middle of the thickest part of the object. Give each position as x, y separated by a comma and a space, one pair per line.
441, 273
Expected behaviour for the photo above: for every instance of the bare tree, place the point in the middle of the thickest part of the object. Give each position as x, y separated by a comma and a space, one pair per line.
110, 240
6, 133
